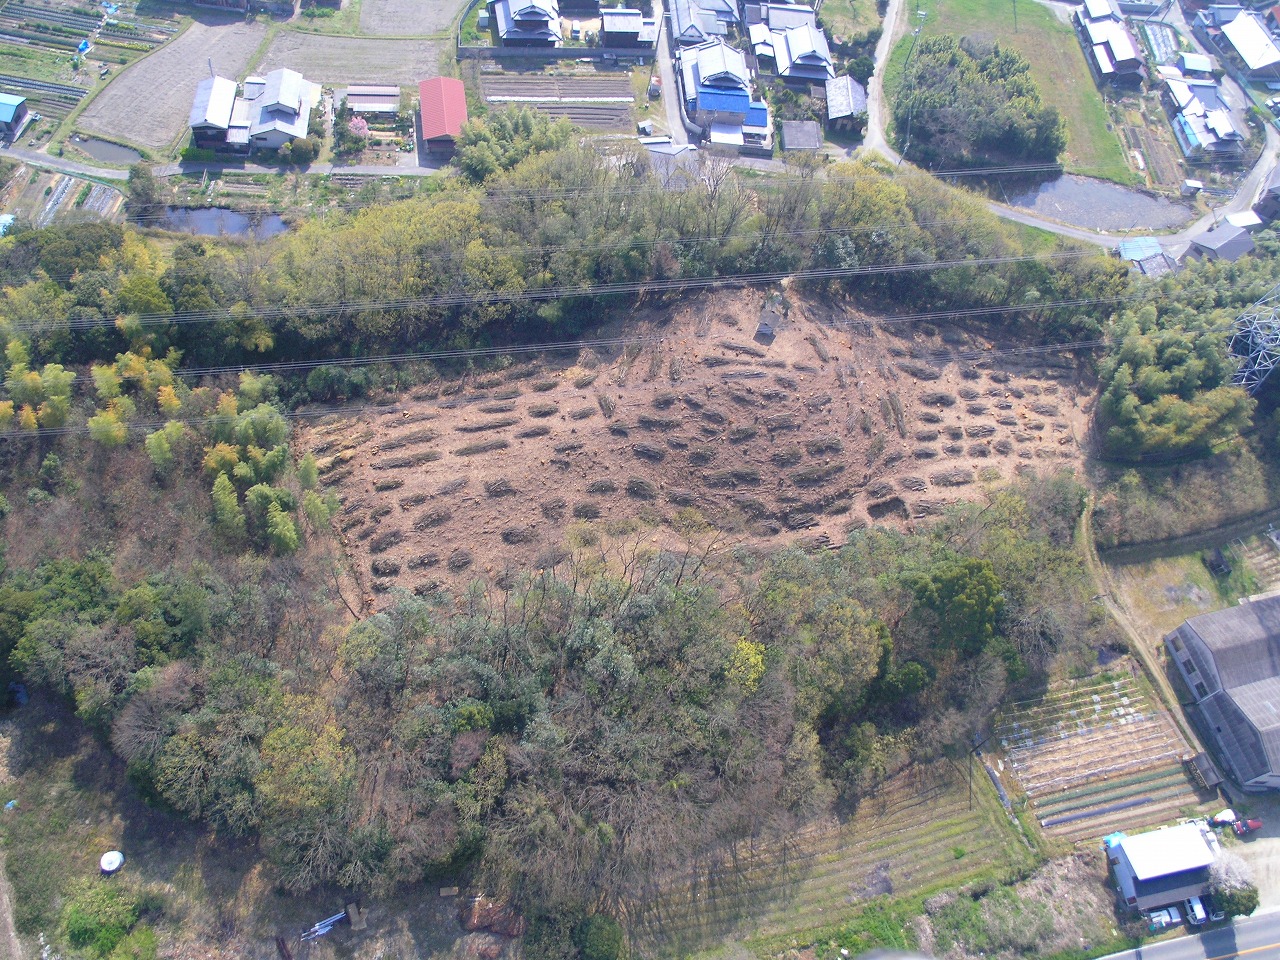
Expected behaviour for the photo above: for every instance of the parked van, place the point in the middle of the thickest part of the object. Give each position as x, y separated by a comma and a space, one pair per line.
575, 30
1195, 912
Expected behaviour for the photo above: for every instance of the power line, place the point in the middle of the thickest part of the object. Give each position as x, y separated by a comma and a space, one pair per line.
562, 291
347, 410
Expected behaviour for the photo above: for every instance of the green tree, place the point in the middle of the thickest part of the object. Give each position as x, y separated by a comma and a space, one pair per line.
228, 515
965, 594
600, 937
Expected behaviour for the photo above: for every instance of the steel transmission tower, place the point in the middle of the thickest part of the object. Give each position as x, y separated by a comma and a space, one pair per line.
1255, 340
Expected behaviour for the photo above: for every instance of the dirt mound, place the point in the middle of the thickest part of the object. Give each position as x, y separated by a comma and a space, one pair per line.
801, 430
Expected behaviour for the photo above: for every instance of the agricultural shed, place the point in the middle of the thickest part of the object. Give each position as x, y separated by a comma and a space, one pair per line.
210, 115
1163, 866
13, 115
373, 98
846, 101
801, 135
1223, 242
1195, 63
1230, 661
442, 108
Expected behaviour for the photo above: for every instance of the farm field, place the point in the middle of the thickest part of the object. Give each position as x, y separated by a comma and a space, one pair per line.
916, 834
408, 18
148, 102
1096, 756
827, 428
562, 96
342, 60
1057, 64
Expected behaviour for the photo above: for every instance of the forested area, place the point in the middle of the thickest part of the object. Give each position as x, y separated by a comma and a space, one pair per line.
964, 103
168, 565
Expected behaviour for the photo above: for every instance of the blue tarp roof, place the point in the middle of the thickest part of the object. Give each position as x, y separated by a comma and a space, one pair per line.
1139, 248
730, 101
9, 105
757, 116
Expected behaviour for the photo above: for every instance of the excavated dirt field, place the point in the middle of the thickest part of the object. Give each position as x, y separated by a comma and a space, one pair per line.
832, 424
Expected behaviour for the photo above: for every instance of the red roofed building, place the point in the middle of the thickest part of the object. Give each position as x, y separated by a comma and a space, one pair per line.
442, 108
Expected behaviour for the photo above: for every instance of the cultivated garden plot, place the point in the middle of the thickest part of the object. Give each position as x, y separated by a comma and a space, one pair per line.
830, 425
149, 102
917, 833
343, 60
1095, 756
588, 100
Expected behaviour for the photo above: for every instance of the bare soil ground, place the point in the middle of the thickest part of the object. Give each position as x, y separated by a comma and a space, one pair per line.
1097, 755
344, 60
828, 427
148, 102
408, 18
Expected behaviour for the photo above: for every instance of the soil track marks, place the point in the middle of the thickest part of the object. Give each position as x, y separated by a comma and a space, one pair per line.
827, 427
345, 60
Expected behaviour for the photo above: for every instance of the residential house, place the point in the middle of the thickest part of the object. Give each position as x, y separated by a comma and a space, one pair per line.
279, 109
801, 53
1161, 867
373, 100
716, 87
697, 21
1223, 242
1109, 47
623, 27
527, 23
846, 103
270, 111
1247, 40
442, 110
1230, 662
1201, 120
14, 115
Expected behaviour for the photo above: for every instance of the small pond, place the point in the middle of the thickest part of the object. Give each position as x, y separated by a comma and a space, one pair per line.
1095, 204
218, 221
106, 151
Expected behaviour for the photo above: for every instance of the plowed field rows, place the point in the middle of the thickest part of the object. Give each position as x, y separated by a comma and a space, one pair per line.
1094, 757
906, 840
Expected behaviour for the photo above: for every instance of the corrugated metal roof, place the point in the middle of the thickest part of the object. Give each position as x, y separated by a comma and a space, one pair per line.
9, 105
1139, 248
442, 103
1252, 41
1161, 853
215, 98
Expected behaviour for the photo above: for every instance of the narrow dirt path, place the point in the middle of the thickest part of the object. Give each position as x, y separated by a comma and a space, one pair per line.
10, 946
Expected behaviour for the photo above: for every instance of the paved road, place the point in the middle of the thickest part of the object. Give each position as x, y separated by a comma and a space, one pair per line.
670, 94
37, 159
1257, 936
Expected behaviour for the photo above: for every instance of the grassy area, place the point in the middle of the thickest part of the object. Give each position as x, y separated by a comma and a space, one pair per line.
36, 64
1057, 63
847, 18
344, 22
